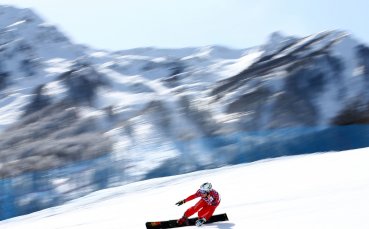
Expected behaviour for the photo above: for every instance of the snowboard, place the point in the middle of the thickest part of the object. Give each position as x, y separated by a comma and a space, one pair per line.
191, 222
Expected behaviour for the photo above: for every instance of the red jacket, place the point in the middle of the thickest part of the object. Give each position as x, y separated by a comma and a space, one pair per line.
212, 198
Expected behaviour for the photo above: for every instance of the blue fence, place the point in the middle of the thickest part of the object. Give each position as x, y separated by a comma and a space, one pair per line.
39, 190
42, 189
253, 146
247, 147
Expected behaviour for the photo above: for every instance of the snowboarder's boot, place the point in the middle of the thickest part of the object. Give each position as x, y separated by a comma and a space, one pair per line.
183, 221
200, 222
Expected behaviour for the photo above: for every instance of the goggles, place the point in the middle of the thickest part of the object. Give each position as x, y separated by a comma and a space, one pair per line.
203, 191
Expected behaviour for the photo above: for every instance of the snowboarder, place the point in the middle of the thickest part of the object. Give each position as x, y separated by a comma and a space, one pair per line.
205, 207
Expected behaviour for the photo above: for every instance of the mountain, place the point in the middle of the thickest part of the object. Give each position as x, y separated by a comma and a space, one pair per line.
178, 109
309, 81
312, 191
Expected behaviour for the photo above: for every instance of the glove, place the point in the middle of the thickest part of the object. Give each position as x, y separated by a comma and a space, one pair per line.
179, 203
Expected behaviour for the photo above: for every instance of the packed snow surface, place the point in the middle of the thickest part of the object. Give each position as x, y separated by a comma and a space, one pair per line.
323, 190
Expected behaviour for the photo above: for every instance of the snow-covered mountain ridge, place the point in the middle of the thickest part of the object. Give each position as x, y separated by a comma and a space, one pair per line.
149, 104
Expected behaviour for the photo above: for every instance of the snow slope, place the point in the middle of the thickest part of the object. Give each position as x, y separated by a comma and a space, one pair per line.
312, 191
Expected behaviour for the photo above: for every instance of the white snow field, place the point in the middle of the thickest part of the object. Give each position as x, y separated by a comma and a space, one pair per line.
323, 190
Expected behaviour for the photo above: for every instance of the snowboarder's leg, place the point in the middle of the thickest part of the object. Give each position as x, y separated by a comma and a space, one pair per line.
183, 220
197, 207
206, 212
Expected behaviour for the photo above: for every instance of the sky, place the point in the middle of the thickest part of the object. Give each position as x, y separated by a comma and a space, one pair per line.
125, 24
317, 191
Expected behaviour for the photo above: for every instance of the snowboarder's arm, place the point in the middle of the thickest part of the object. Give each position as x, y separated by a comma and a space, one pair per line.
191, 197
179, 203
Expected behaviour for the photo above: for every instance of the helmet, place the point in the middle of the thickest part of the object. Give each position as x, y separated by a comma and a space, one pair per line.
206, 187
